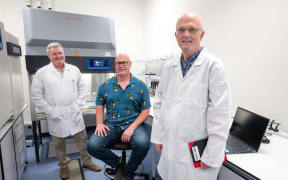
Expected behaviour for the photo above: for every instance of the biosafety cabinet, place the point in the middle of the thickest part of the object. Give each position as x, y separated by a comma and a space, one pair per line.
12, 138
89, 43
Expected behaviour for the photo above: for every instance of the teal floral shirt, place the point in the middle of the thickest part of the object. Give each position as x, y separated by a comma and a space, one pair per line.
123, 106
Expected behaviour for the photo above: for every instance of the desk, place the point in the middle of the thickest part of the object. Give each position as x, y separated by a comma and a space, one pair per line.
87, 112
269, 163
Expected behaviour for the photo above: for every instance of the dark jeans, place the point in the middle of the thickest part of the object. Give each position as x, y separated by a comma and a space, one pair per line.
97, 147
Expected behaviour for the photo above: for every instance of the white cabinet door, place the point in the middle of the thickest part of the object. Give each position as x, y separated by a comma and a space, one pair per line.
20, 147
0, 171
8, 156
6, 105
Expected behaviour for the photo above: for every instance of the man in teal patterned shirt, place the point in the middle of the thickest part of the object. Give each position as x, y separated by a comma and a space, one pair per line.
127, 103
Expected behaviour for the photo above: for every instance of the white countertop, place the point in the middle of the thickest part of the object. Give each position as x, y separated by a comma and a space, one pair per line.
269, 163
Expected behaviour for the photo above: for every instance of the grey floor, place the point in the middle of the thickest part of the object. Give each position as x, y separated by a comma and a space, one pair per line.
47, 169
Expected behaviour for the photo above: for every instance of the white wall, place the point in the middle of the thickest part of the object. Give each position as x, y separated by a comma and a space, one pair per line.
251, 38
127, 14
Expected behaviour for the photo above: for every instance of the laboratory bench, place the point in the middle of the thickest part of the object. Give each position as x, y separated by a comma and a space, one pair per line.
267, 164
89, 116
270, 162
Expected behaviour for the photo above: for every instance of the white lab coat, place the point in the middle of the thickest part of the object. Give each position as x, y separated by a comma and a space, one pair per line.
188, 109
59, 98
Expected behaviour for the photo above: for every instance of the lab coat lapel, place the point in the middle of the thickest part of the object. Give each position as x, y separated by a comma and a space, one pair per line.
177, 68
66, 71
54, 71
196, 64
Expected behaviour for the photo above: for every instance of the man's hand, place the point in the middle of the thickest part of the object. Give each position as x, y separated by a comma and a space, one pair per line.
127, 134
158, 147
101, 130
204, 166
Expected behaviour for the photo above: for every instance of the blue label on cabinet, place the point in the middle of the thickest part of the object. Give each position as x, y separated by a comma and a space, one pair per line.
1, 44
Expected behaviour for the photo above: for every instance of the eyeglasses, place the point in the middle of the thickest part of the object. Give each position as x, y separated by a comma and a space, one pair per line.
124, 63
190, 30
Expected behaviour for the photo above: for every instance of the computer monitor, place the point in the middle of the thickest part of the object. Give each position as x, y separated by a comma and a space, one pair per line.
249, 127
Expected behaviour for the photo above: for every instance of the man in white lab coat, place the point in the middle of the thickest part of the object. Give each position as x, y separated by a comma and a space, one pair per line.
58, 91
192, 103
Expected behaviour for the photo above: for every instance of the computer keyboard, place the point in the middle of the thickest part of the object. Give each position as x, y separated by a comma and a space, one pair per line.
236, 146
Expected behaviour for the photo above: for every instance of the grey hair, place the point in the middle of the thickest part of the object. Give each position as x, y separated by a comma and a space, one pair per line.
53, 45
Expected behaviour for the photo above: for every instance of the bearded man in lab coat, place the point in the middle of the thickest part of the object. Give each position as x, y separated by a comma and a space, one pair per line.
192, 103
58, 91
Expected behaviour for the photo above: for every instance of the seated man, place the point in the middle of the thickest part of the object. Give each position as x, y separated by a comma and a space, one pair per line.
128, 105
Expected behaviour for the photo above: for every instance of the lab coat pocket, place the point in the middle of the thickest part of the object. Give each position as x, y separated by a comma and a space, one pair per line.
201, 96
167, 116
194, 120
75, 113
55, 113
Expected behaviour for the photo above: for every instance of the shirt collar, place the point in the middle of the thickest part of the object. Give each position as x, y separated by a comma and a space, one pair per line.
192, 58
131, 81
197, 62
52, 67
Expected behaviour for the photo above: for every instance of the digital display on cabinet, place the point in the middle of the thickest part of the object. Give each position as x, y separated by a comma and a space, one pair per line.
16, 50
13, 49
98, 63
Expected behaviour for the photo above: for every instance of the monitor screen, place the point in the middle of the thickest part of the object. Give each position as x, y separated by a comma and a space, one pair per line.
1, 43
249, 127
98, 63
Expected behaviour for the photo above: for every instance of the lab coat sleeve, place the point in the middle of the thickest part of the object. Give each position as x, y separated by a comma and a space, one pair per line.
37, 94
156, 128
218, 116
81, 90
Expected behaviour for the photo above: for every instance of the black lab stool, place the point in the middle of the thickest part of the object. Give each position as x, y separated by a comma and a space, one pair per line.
126, 146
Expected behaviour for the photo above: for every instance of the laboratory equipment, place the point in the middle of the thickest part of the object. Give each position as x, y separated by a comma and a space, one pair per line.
6, 103
89, 43
12, 139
